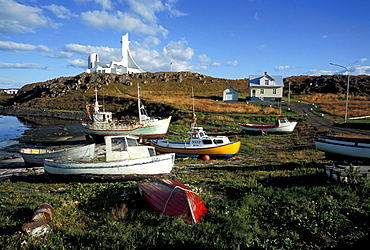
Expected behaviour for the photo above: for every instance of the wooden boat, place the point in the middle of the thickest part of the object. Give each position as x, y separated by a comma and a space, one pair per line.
36, 156
123, 159
101, 123
345, 147
172, 198
282, 126
199, 144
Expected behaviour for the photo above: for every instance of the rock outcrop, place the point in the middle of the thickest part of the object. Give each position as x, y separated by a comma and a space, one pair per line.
335, 84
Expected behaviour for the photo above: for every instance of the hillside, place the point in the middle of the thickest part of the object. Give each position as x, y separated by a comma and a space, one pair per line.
164, 93
334, 84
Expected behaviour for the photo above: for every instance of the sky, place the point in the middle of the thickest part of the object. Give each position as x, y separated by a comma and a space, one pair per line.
231, 39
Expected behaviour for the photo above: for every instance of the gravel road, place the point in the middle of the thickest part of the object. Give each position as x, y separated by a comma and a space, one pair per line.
323, 123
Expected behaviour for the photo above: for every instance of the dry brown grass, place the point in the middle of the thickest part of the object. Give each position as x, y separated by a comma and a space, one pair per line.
205, 104
335, 104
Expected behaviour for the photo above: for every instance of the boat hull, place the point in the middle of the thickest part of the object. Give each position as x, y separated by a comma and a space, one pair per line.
36, 157
341, 146
172, 198
286, 128
182, 149
153, 129
159, 165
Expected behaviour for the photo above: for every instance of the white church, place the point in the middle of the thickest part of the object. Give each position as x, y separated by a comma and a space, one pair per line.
126, 65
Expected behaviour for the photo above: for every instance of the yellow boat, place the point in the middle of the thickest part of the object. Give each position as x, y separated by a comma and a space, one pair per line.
199, 145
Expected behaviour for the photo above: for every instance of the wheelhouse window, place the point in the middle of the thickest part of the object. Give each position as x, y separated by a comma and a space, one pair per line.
218, 141
119, 144
207, 142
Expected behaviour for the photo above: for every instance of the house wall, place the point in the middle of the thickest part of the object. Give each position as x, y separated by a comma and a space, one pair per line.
267, 95
230, 95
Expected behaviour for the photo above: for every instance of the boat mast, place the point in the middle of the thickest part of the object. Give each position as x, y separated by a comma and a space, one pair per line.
138, 102
194, 124
142, 112
96, 105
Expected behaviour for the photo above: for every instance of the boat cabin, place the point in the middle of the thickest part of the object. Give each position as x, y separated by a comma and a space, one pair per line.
198, 136
104, 117
126, 147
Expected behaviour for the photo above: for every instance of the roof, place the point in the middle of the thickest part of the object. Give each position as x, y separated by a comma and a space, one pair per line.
230, 89
277, 81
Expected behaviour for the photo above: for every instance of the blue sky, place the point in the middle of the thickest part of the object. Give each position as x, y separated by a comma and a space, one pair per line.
46, 39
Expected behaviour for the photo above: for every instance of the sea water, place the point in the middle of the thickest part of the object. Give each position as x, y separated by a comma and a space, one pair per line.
10, 129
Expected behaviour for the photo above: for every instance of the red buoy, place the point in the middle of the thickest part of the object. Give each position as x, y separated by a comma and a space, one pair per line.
206, 158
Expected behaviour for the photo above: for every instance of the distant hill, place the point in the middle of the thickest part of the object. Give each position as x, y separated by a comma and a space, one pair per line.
118, 93
335, 84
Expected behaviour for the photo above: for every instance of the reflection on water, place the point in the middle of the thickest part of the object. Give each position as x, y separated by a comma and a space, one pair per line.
10, 128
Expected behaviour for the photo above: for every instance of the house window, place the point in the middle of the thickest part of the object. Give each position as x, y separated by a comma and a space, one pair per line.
267, 82
274, 91
262, 91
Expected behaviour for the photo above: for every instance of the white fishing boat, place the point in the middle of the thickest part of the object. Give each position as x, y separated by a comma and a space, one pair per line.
343, 146
199, 144
282, 125
101, 123
36, 156
123, 159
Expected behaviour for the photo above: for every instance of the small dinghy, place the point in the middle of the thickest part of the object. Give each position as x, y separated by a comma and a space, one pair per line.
36, 156
173, 198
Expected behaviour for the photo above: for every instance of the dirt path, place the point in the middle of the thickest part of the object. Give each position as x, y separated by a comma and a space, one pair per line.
323, 123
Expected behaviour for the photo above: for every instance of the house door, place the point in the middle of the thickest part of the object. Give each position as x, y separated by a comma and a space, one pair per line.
253, 93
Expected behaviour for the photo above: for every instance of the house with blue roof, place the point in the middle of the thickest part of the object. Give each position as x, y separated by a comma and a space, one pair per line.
265, 88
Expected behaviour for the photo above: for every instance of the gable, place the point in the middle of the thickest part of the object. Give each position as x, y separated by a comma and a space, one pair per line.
265, 81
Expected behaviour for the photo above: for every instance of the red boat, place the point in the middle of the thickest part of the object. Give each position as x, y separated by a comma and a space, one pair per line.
173, 198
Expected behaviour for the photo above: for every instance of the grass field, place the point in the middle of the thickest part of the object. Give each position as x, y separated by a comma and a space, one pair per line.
272, 195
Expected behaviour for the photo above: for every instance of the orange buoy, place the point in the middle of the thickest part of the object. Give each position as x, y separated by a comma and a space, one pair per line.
206, 158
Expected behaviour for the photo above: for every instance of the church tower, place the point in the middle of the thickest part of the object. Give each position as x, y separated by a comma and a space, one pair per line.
126, 65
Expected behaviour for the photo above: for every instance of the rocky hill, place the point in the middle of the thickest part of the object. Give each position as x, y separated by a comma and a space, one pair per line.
119, 92
335, 84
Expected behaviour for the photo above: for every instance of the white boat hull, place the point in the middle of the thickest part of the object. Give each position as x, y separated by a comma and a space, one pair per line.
286, 128
351, 147
36, 157
152, 129
124, 169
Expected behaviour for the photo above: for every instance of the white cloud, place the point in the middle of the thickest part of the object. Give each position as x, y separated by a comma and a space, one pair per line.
19, 18
216, 64
263, 47
22, 66
79, 63
105, 53
204, 58
120, 21
16, 47
170, 5
59, 11
58, 55
233, 63
178, 50
361, 60
141, 16
280, 68
319, 72
359, 70
256, 16
105, 4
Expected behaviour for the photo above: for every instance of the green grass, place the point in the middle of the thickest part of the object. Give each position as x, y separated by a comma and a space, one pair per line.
272, 195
